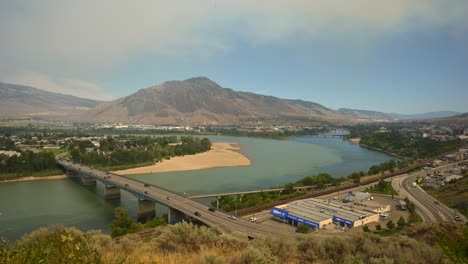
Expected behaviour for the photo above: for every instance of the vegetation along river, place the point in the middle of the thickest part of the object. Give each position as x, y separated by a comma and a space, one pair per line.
25, 206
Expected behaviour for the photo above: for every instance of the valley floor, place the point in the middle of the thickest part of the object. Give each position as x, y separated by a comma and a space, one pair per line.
222, 154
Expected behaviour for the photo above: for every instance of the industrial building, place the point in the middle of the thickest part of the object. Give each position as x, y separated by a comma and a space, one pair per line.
318, 213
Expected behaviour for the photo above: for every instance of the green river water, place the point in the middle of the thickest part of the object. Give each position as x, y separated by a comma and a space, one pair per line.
25, 206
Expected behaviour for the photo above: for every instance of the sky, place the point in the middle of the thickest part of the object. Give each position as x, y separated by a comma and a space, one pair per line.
401, 56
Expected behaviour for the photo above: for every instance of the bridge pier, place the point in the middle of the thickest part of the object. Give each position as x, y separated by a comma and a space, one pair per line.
71, 173
146, 210
175, 216
111, 192
88, 180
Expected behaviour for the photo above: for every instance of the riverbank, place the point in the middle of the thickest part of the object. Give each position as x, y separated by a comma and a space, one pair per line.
222, 154
381, 150
31, 178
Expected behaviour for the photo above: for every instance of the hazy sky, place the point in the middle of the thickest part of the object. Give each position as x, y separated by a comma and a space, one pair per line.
404, 56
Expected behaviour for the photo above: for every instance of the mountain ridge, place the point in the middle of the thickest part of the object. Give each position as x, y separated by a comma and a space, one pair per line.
201, 101
22, 100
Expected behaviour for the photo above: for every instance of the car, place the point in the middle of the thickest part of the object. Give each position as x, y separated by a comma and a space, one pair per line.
233, 217
250, 237
253, 219
385, 215
126, 185
436, 202
211, 209
197, 213
168, 198
146, 185
457, 218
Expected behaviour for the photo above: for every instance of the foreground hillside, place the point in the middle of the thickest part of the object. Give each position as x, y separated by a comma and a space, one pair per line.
185, 243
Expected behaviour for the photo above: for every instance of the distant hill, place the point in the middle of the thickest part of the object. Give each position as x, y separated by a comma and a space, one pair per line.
202, 101
381, 116
366, 114
19, 100
439, 114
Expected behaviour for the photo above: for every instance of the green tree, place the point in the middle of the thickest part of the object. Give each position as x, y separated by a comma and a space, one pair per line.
303, 229
390, 224
401, 222
365, 228
122, 222
378, 227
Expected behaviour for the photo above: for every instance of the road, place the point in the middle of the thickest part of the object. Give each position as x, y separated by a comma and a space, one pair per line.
427, 207
181, 203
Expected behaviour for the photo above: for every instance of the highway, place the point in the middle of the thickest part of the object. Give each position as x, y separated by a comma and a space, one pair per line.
427, 207
181, 203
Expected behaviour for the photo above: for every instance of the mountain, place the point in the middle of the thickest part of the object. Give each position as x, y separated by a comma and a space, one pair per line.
19, 100
439, 114
201, 101
366, 114
380, 116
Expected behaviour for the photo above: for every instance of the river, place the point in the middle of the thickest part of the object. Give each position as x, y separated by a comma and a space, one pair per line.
25, 206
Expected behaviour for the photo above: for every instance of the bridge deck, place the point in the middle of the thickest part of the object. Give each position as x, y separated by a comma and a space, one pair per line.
173, 200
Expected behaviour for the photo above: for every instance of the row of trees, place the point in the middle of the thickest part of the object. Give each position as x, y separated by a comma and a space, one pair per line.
27, 163
114, 152
410, 147
231, 203
264, 134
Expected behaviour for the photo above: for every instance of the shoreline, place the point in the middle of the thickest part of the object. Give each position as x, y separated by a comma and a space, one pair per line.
32, 178
222, 154
381, 150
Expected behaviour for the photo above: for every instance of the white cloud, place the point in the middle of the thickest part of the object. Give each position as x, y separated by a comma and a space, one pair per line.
59, 85
92, 38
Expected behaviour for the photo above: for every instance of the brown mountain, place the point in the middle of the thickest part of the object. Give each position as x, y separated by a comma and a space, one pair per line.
202, 101
19, 100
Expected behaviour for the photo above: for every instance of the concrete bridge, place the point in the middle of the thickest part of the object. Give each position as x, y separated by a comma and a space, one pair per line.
180, 207
242, 193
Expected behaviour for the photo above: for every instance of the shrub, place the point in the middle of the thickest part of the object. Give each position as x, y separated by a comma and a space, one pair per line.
310, 250
366, 229
401, 222
52, 245
378, 227
303, 229
390, 224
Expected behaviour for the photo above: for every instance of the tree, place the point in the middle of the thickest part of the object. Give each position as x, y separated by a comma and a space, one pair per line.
122, 222
365, 228
390, 225
401, 222
378, 227
303, 229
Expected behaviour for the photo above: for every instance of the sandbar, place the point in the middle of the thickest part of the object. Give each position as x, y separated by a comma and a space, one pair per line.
222, 154
44, 178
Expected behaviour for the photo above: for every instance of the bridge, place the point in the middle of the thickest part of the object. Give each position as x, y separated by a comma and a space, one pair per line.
180, 207
241, 193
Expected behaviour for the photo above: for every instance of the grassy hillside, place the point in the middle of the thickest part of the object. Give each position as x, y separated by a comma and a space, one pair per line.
454, 195
185, 243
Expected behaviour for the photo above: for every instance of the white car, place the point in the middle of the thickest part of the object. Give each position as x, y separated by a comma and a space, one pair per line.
233, 217
253, 219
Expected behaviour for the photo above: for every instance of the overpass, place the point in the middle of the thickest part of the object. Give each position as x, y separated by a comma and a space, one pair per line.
241, 193
180, 207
